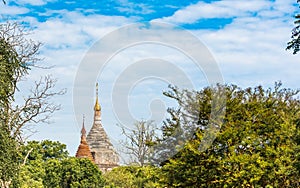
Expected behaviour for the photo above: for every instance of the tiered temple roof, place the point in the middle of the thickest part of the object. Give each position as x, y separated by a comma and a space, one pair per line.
102, 150
83, 150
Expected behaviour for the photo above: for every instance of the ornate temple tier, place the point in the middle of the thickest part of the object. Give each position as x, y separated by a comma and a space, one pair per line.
103, 152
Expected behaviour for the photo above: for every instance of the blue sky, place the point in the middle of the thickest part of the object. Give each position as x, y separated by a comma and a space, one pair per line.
246, 38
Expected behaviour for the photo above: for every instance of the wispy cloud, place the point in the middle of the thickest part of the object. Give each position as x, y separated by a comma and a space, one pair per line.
8, 11
229, 9
134, 7
34, 2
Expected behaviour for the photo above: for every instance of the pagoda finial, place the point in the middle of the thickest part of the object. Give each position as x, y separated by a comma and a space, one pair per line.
97, 89
83, 131
97, 105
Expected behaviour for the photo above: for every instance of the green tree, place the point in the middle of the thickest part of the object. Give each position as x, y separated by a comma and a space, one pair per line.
72, 172
35, 155
12, 67
9, 156
172, 140
194, 112
257, 145
47, 164
44, 150
294, 44
133, 177
17, 55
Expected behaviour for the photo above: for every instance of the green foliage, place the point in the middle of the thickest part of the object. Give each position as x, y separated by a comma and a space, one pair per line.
44, 150
10, 69
193, 114
36, 154
172, 140
133, 177
17, 55
9, 158
72, 172
294, 44
31, 176
257, 145
48, 165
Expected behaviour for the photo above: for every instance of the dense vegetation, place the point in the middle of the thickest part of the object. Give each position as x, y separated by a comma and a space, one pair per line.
257, 145
49, 165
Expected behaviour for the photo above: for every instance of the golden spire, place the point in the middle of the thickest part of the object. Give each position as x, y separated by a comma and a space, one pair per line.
97, 106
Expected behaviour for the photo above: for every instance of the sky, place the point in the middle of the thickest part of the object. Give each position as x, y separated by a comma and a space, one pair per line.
135, 49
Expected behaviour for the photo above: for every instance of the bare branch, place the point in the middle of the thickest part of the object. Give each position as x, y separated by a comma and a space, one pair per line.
138, 141
26, 157
17, 55
37, 106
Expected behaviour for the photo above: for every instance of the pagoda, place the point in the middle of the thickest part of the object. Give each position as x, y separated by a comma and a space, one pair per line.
83, 150
102, 150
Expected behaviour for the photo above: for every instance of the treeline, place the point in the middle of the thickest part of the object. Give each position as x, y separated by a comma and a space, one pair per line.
254, 142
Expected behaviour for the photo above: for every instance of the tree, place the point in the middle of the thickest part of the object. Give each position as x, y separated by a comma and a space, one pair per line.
139, 141
198, 110
17, 55
72, 172
172, 140
294, 44
257, 146
47, 164
35, 155
9, 157
44, 150
133, 177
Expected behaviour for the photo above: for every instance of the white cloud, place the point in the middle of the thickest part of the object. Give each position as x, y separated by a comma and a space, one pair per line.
251, 51
12, 10
231, 9
136, 8
74, 30
34, 2
216, 9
